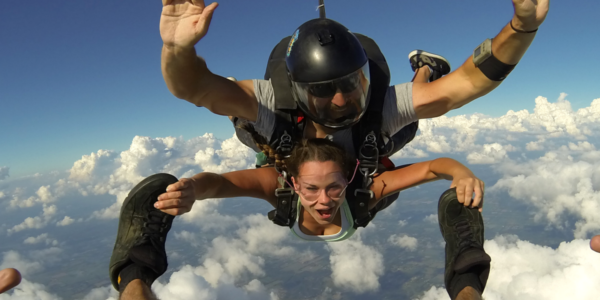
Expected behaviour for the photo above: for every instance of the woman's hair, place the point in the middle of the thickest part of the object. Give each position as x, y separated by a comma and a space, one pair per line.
306, 150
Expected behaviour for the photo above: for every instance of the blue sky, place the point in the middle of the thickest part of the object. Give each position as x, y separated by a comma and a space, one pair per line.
80, 76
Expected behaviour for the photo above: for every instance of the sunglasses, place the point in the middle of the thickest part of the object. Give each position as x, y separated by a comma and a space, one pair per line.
328, 89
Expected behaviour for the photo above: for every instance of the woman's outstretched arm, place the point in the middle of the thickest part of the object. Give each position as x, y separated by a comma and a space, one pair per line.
402, 178
181, 196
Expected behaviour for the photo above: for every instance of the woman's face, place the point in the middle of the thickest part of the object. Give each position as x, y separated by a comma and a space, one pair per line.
321, 186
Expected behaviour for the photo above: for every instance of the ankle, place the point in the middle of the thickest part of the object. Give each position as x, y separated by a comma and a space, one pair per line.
468, 293
137, 289
422, 74
426, 70
465, 285
134, 273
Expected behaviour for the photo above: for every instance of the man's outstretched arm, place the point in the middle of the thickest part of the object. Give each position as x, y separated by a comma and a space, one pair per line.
182, 25
468, 82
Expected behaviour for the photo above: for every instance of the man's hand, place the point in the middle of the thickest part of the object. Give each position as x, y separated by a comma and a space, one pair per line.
178, 199
9, 278
183, 23
465, 187
529, 14
595, 243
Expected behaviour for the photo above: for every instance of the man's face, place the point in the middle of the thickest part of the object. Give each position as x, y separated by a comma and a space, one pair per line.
335, 103
337, 107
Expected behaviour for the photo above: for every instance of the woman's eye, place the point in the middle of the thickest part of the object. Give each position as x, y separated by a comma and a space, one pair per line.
312, 189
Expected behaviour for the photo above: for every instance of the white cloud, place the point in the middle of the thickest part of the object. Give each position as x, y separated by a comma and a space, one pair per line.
36, 222
488, 154
95, 165
238, 254
4, 172
433, 218
435, 293
65, 221
564, 182
488, 139
44, 194
12, 259
522, 270
147, 156
47, 255
27, 290
352, 257
535, 145
225, 263
404, 241
102, 293
22, 203
188, 284
42, 238
247, 244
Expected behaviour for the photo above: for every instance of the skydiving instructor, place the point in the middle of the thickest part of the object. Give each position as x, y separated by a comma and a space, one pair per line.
184, 23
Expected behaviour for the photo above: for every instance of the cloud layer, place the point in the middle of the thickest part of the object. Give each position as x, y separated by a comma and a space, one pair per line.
547, 159
522, 270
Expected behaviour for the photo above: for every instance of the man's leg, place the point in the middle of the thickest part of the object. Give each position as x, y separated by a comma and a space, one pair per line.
139, 255
137, 290
422, 75
469, 293
427, 66
467, 264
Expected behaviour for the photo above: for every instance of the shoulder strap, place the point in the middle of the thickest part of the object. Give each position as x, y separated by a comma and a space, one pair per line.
366, 135
380, 82
288, 129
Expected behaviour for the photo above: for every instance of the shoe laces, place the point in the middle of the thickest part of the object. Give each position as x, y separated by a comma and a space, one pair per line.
154, 226
465, 236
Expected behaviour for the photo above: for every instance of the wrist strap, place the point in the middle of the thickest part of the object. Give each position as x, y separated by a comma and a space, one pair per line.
521, 31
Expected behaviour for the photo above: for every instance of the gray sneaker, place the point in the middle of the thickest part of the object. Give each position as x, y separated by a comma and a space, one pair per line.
437, 63
142, 230
462, 229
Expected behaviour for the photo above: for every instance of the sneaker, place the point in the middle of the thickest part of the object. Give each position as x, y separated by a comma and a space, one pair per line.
438, 64
142, 229
462, 229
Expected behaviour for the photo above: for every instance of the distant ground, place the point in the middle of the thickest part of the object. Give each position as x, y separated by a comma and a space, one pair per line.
86, 247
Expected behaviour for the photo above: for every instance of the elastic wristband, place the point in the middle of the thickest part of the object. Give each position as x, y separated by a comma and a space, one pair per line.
494, 69
521, 31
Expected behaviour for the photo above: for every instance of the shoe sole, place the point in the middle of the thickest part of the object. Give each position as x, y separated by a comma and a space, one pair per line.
417, 52
117, 263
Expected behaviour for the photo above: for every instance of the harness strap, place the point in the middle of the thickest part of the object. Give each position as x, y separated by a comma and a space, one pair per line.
284, 213
367, 135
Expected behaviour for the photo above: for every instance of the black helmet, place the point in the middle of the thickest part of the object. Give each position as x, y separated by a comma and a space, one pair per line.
329, 71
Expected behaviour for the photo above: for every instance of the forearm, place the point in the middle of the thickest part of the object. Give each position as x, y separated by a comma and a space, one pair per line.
508, 47
255, 183
183, 72
208, 185
447, 168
